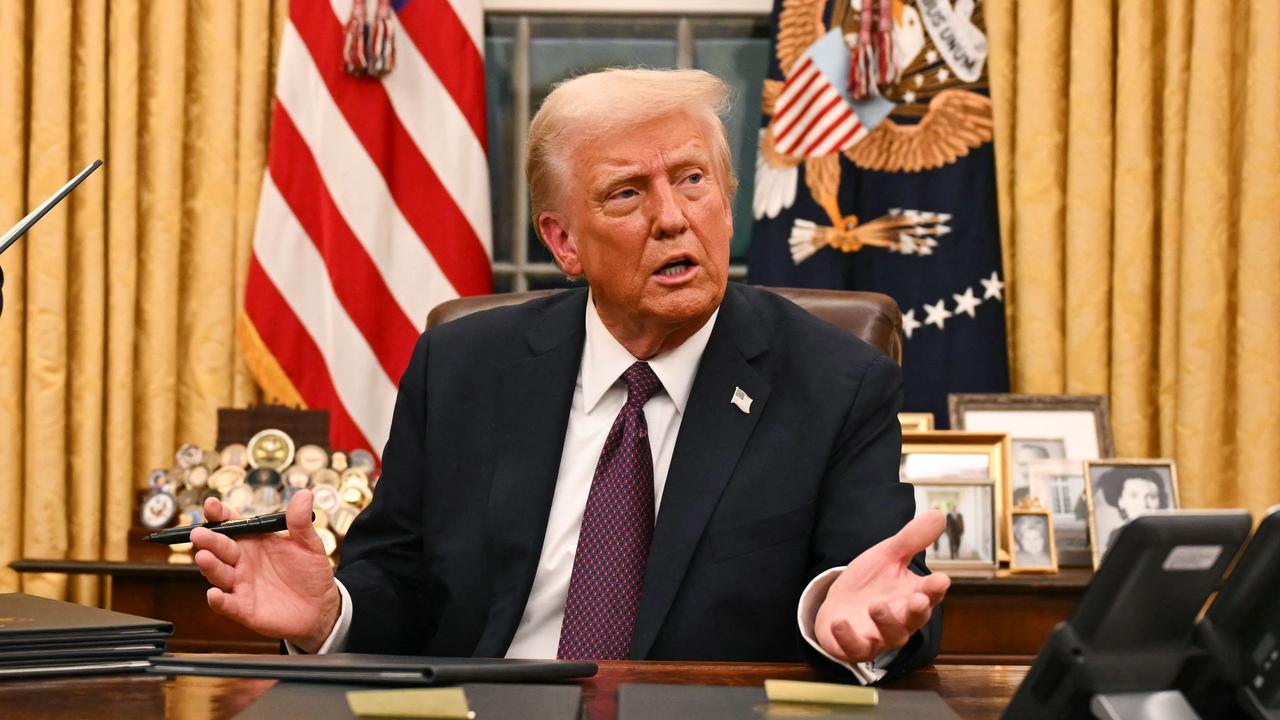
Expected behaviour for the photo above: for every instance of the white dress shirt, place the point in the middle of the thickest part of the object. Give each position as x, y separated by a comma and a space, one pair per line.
598, 397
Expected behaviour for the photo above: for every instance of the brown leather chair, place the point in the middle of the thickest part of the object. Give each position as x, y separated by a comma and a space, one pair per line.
871, 316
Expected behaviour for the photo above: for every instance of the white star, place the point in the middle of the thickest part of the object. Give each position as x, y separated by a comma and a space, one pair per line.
908, 97
936, 314
910, 323
931, 56
993, 287
966, 303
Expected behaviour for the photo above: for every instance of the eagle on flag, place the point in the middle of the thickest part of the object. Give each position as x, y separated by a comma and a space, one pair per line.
844, 82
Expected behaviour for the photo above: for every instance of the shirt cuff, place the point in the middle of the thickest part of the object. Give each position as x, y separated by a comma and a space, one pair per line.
337, 639
807, 615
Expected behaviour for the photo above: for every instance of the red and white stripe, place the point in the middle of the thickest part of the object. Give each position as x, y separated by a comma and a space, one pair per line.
811, 118
374, 208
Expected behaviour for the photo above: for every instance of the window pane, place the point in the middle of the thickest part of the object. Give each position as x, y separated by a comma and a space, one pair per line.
737, 51
563, 47
499, 46
545, 282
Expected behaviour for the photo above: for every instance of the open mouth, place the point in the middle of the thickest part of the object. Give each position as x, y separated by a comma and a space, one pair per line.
676, 268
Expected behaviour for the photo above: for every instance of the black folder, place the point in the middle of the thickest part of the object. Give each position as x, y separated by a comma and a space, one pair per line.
27, 621
374, 669
39, 636
660, 702
329, 702
70, 653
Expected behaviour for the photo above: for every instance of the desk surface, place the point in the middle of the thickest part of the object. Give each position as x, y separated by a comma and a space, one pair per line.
974, 692
991, 619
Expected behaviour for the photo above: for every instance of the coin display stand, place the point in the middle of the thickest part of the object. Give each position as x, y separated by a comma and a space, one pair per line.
257, 476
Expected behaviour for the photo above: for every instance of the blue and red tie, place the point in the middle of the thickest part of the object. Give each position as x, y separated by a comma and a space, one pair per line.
617, 526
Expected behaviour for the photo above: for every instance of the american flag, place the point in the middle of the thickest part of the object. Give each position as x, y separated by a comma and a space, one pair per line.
813, 118
374, 208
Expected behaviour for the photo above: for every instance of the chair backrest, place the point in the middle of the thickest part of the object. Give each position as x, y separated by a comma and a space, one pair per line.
871, 316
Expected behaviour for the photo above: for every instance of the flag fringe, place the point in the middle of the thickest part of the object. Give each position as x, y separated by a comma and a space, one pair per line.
262, 364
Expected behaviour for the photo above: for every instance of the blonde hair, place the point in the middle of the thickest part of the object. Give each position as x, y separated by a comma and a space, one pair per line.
591, 105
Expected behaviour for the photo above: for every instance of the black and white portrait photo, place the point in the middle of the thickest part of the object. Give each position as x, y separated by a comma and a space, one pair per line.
1124, 489
1026, 452
1033, 549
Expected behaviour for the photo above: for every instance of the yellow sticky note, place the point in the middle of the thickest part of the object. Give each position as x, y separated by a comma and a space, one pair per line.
410, 703
814, 692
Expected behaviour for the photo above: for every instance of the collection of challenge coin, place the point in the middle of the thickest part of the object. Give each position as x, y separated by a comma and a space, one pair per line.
261, 477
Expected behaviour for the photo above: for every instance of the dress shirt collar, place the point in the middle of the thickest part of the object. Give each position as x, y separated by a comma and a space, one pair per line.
604, 360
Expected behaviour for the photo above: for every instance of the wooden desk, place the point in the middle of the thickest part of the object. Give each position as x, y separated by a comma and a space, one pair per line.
988, 620
1004, 620
974, 692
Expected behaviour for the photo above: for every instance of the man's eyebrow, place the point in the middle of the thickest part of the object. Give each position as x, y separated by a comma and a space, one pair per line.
627, 172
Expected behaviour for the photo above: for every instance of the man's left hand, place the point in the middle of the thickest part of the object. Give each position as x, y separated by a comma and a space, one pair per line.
877, 603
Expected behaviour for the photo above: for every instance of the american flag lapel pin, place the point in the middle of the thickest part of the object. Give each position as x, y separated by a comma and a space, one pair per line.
741, 400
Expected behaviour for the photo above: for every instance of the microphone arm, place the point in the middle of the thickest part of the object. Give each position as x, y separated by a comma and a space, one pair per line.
34, 216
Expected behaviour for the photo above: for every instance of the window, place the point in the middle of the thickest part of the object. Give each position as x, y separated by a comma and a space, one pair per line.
526, 54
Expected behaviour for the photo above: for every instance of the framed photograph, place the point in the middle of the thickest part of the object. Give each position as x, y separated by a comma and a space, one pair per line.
916, 422
1026, 450
1081, 422
1033, 543
1057, 486
1122, 489
962, 474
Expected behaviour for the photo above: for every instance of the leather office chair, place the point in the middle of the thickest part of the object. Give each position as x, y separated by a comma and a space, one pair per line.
871, 316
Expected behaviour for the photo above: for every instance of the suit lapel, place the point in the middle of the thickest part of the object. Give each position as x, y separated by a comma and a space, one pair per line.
713, 433
533, 401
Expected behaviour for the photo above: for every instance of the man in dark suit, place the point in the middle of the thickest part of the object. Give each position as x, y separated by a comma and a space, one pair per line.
955, 530
739, 501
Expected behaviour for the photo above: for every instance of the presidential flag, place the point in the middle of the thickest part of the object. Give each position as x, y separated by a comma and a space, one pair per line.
374, 206
876, 172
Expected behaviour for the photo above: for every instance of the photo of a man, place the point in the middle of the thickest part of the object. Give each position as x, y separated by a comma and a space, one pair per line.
955, 530
1026, 452
968, 540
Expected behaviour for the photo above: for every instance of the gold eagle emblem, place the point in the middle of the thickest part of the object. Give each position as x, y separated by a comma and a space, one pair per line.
936, 118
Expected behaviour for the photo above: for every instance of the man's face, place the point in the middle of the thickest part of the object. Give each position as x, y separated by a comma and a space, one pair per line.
1138, 496
648, 223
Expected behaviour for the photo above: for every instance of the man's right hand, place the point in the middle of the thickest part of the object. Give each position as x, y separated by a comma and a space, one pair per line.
278, 584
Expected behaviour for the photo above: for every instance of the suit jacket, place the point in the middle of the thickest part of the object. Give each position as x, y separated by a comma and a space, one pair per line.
756, 504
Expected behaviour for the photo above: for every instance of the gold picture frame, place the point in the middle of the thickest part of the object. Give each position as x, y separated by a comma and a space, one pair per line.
963, 474
1108, 493
1032, 548
916, 421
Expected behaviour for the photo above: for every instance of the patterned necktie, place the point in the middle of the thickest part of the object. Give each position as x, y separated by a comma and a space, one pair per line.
613, 545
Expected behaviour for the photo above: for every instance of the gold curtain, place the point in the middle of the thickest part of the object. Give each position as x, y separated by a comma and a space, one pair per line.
117, 341
1139, 174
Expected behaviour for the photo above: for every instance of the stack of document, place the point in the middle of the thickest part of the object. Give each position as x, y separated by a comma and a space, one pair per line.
49, 637
377, 669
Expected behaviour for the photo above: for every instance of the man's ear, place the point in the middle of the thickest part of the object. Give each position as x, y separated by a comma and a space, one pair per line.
560, 242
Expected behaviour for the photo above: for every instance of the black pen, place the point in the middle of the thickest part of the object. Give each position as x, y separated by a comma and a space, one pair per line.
255, 525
